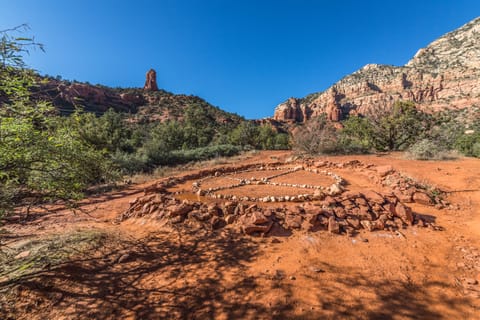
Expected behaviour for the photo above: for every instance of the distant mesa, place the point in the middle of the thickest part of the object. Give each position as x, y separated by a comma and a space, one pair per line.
151, 81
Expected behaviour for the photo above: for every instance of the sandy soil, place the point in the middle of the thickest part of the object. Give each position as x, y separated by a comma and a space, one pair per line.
264, 191
304, 177
175, 273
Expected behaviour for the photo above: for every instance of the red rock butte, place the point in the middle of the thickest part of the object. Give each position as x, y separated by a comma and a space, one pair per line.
151, 81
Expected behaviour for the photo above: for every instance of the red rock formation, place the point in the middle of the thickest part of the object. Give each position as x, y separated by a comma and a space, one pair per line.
444, 75
151, 81
333, 111
292, 110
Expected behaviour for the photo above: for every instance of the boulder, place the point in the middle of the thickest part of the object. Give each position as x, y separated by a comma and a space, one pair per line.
404, 213
373, 196
422, 198
333, 225
250, 229
384, 170
258, 218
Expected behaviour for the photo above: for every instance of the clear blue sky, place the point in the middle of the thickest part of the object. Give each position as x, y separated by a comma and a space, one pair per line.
243, 56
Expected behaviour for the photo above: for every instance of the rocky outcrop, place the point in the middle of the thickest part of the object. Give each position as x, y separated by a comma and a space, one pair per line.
67, 96
151, 105
292, 110
445, 74
151, 81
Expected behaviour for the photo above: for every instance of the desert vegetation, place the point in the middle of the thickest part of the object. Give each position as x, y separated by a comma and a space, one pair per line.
403, 127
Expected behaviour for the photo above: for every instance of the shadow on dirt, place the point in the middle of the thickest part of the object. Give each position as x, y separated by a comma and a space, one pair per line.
164, 276
31, 214
191, 276
389, 299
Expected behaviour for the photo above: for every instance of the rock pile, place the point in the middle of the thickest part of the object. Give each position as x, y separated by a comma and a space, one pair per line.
344, 212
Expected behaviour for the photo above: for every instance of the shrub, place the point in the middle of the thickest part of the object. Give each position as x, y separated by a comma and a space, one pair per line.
476, 149
130, 163
356, 135
318, 136
468, 144
427, 150
183, 156
205, 153
282, 141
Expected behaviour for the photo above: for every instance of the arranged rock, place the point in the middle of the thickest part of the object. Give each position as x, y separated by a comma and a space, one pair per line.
217, 222
333, 226
341, 213
124, 258
293, 221
384, 170
179, 210
251, 229
422, 198
403, 212
373, 196
258, 218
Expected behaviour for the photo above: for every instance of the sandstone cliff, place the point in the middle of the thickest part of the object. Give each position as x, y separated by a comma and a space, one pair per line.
445, 74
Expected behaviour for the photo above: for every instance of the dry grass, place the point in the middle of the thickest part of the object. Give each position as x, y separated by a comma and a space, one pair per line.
42, 253
165, 171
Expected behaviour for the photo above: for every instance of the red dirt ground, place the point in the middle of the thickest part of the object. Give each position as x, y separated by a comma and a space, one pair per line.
174, 273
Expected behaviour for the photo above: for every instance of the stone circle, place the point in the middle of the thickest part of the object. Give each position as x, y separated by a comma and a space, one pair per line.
333, 208
334, 189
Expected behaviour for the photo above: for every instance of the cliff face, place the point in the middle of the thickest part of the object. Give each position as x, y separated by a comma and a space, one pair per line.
445, 74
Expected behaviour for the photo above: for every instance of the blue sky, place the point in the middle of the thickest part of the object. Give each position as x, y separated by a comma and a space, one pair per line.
243, 56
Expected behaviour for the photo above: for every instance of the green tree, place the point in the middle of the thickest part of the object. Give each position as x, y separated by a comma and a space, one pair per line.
108, 132
41, 158
245, 134
198, 127
397, 127
357, 135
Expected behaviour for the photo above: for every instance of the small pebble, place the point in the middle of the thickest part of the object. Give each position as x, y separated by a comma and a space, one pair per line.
317, 270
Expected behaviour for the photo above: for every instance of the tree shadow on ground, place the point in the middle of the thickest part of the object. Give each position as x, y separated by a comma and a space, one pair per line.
187, 275
352, 294
31, 214
180, 275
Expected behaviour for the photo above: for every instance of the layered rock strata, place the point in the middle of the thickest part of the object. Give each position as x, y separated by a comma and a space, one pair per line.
444, 75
